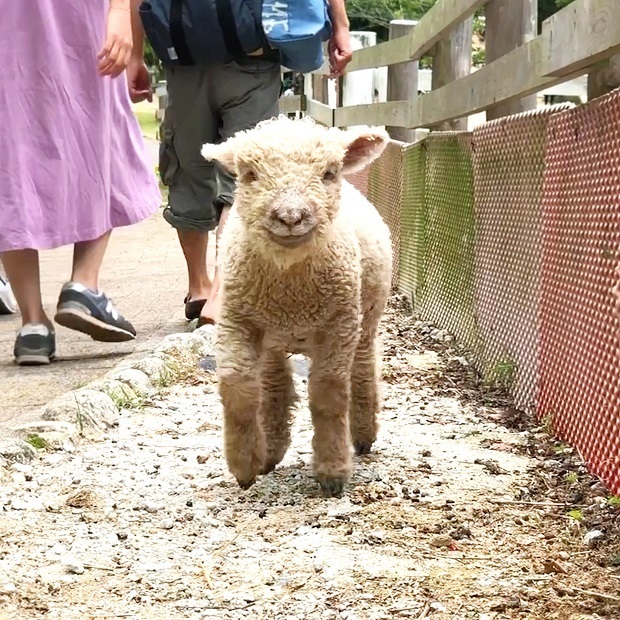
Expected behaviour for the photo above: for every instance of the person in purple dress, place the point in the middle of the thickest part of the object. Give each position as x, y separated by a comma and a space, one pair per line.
74, 164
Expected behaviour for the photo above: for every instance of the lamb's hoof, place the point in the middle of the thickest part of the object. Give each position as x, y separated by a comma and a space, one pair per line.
268, 468
332, 487
247, 483
273, 458
362, 447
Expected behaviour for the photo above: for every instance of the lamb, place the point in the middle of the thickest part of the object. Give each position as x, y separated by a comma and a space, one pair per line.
306, 269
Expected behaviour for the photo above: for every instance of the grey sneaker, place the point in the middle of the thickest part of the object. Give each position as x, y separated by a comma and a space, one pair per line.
92, 313
35, 345
8, 305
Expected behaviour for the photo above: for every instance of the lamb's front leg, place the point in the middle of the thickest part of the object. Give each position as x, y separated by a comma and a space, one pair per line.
244, 440
276, 400
329, 389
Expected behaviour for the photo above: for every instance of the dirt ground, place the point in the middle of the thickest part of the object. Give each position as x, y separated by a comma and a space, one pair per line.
465, 510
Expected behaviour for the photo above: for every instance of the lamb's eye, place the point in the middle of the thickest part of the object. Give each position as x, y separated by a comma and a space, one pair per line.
330, 175
249, 176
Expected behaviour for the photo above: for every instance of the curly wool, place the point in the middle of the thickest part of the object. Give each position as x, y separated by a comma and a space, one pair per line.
323, 298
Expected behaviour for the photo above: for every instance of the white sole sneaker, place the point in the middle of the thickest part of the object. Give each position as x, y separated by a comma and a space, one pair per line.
35, 345
8, 305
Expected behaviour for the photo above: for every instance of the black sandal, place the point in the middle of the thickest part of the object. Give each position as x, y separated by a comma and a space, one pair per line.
193, 307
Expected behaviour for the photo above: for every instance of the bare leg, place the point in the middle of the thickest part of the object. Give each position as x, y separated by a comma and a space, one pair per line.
194, 244
87, 259
22, 270
210, 310
364, 395
277, 396
244, 440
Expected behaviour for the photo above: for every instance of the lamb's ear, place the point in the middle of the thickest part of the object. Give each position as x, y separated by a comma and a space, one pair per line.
223, 153
362, 148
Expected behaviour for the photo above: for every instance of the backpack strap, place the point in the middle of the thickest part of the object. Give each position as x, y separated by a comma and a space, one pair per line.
177, 34
226, 17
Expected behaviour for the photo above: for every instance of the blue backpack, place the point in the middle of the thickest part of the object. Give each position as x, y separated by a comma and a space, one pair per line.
297, 29
192, 32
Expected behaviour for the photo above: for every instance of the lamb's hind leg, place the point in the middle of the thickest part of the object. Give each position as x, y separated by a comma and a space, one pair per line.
276, 400
244, 441
365, 399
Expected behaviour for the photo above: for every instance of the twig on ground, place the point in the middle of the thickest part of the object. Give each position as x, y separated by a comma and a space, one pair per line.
517, 502
301, 585
424, 613
216, 607
458, 558
206, 572
599, 595
94, 566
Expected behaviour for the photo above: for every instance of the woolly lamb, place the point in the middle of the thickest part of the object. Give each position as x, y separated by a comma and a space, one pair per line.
306, 269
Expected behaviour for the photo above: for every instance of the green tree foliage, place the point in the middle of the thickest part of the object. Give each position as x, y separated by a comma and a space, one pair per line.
380, 12
546, 8
376, 14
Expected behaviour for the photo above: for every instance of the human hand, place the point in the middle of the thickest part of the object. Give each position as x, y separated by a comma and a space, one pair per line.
340, 52
116, 50
138, 81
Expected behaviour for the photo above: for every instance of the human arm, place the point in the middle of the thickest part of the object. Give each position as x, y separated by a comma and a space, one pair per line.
116, 50
138, 79
339, 47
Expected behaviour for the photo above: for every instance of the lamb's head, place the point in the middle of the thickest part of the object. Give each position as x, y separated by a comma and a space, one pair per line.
289, 178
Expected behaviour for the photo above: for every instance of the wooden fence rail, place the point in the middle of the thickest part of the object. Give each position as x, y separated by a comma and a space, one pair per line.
571, 43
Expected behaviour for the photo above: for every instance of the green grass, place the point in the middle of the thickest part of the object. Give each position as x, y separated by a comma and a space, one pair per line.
36, 442
145, 113
148, 122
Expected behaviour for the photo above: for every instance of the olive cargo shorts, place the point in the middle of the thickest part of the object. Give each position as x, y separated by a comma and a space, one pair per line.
208, 105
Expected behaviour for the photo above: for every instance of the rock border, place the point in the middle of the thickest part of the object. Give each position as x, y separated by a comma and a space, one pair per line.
90, 411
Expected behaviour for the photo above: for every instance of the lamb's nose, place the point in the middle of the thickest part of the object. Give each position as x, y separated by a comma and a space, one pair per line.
289, 217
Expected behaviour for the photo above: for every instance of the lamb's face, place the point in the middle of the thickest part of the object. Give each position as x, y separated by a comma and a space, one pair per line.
289, 177
289, 196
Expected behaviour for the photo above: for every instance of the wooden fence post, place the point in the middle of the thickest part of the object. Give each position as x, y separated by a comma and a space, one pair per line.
402, 79
319, 87
604, 79
452, 61
510, 24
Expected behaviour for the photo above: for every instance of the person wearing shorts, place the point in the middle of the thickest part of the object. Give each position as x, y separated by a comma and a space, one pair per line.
209, 104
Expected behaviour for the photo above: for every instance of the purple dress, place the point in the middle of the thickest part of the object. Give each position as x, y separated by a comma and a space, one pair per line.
73, 163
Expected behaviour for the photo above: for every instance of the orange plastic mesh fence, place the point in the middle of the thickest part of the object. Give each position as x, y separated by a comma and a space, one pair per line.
508, 160
510, 238
579, 346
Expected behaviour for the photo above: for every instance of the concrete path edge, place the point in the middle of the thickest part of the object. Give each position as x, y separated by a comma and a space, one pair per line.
89, 412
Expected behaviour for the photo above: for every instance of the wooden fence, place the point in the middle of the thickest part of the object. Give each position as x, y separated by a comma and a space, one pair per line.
508, 236
574, 41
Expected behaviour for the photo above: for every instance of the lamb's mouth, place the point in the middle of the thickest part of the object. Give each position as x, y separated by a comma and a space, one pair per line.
291, 241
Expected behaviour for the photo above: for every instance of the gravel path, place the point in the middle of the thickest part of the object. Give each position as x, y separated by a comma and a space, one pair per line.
463, 511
